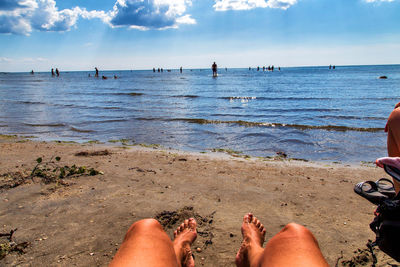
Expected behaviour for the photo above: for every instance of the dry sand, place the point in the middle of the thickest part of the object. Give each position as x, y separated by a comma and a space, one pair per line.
83, 224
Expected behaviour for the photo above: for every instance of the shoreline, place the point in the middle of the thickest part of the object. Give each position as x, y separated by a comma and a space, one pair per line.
83, 222
224, 153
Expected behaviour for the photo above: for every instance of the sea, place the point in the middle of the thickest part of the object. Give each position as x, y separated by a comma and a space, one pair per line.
311, 113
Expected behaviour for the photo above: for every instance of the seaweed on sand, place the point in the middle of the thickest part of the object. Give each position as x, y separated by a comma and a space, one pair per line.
48, 172
7, 245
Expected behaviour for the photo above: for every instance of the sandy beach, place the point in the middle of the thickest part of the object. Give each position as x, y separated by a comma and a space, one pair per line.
82, 220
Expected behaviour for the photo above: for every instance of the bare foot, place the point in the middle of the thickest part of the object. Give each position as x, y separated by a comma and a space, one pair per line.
250, 251
184, 237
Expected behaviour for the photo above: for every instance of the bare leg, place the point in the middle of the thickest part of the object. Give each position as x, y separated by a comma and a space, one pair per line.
294, 245
146, 244
393, 139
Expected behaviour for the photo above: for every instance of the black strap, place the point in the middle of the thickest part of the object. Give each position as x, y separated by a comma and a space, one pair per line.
392, 171
371, 246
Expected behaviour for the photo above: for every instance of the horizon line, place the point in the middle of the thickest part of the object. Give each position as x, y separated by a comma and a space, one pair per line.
206, 68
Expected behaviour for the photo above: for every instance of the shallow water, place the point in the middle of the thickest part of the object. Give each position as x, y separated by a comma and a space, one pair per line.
310, 112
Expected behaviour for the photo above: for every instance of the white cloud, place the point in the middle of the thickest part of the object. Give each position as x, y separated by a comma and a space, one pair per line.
94, 14
24, 16
283, 4
5, 59
14, 24
21, 17
224, 5
150, 14
46, 17
187, 19
24, 60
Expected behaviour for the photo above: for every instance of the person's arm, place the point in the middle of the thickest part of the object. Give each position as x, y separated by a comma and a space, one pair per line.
391, 161
386, 126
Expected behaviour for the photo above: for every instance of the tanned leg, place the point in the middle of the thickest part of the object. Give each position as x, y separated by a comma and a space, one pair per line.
146, 244
393, 139
294, 245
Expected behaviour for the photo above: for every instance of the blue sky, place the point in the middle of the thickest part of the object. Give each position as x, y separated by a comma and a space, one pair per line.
142, 34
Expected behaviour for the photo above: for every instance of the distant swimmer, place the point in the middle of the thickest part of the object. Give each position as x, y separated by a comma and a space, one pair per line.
162, 70
330, 66
97, 72
258, 68
115, 77
272, 68
104, 77
180, 69
32, 72
334, 67
214, 69
263, 68
57, 72
279, 68
52, 72
154, 69
249, 68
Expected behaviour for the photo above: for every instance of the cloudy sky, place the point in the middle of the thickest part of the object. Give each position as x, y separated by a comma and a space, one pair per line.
141, 34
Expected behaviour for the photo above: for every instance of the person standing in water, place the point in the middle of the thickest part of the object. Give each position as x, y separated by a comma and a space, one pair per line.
97, 72
57, 72
214, 69
52, 72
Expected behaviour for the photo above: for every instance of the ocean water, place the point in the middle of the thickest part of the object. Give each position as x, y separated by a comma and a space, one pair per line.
311, 113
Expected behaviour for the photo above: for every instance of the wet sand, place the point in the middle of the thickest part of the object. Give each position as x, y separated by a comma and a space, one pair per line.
84, 222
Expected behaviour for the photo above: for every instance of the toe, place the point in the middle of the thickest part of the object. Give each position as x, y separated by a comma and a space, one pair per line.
186, 224
255, 221
192, 223
246, 218
250, 217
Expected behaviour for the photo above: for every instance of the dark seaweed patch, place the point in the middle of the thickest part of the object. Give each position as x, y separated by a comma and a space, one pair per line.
172, 219
93, 153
